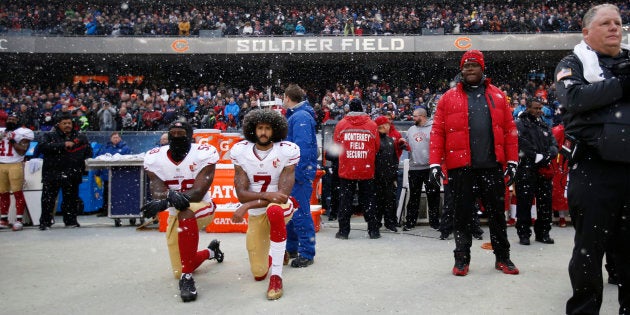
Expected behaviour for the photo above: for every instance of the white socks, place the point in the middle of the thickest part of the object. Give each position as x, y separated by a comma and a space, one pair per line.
276, 251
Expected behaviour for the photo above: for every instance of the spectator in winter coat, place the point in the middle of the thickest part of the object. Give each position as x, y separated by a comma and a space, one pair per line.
107, 117
151, 118
232, 108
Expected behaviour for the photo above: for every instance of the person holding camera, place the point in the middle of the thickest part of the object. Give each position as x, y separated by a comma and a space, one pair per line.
593, 84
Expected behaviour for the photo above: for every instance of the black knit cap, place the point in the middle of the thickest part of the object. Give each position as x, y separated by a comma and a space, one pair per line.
356, 105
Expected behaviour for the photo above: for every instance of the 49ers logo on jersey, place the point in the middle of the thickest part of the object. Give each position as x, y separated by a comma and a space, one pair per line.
276, 163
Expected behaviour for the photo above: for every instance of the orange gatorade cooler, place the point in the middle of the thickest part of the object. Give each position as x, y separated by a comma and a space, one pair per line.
207, 136
226, 141
222, 189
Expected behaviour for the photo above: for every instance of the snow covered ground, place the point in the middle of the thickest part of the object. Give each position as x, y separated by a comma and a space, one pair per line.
101, 269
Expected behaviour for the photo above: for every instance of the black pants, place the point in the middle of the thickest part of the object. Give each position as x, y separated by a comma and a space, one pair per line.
347, 188
530, 185
416, 179
385, 200
599, 204
489, 184
69, 204
334, 195
446, 219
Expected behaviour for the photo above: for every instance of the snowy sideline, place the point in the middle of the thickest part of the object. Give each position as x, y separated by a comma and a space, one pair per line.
100, 269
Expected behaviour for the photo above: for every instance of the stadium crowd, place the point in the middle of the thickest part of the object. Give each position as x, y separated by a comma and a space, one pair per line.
148, 18
131, 107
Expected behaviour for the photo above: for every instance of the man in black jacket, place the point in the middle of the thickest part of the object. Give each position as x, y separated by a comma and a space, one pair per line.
537, 147
65, 152
593, 84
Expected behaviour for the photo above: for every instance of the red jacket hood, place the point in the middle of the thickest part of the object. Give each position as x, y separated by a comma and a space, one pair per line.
357, 118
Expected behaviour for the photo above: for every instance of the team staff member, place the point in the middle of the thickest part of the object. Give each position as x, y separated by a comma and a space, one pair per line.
537, 147
418, 137
264, 173
180, 175
593, 84
385, 175
475, 137
301, 131
115, 145
13, 145
357, 136
65, 151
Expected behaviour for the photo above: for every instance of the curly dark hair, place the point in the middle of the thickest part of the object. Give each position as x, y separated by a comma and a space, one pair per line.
276, 120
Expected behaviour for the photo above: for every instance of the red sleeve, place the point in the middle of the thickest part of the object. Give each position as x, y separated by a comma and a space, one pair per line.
511, 135
437, 141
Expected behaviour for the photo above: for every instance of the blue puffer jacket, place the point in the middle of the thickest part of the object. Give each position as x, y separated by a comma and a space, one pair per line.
302, 132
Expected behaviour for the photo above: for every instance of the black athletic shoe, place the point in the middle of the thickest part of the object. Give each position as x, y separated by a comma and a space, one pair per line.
218, 254
341, 236
444, 235
301, 262
478, 236
408, 227
46, 226
187, 290
374, 234
612, 279
73, 225
545, 239
523, 240
391, 228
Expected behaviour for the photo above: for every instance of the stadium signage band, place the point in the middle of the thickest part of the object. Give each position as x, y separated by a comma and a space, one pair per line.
287, 45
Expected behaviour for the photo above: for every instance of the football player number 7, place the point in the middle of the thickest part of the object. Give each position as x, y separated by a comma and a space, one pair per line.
264, 179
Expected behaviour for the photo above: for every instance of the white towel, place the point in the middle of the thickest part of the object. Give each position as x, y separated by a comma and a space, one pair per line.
592, 71
34, 165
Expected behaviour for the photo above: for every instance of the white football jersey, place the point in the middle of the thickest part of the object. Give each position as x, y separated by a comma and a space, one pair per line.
7, 153
181, 176
264, 174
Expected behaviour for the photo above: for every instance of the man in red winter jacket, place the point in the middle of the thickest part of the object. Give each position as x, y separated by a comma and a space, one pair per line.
475, 137
357, 137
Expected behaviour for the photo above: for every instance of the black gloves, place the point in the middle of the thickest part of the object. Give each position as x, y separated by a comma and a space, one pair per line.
510, 173
545, 161
622, 68
152, 208
436, 175
622, 72
178, 199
